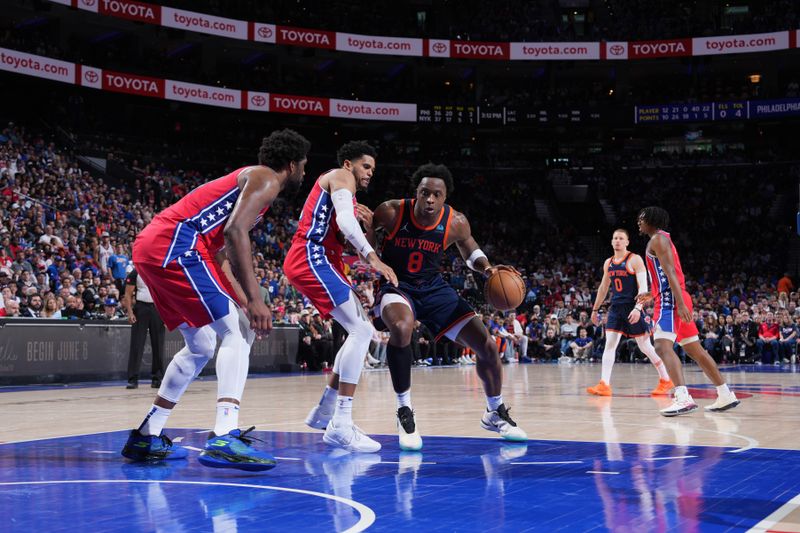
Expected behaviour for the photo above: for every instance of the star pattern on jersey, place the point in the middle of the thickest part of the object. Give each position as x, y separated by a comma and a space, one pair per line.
220, 212
324, 207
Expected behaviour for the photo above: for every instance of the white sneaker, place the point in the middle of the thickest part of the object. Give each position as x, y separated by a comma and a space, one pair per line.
319, 416
500, 422
680, 406
410, 440
350, 437
723, 403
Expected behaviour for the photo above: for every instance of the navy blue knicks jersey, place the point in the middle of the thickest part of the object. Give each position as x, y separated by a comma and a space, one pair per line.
415, 251
623, 281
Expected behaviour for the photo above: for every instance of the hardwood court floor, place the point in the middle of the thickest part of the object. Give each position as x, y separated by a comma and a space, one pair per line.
548, 401
591, 464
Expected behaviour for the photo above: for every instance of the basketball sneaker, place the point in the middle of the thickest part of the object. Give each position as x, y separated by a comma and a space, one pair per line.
500, 422
723, 403
680, 406
410, 440
151, 448
234, 450
319, 416
663, 388
601, 389
350, 437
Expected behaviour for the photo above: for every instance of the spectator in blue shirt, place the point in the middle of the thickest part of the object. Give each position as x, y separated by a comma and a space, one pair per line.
581, 346
118, 264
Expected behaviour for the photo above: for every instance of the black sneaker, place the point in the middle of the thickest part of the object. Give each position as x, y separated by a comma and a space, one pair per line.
132, 385
405, 417
410, 439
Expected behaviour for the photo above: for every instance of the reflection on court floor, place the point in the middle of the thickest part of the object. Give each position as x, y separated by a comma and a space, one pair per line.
455, 484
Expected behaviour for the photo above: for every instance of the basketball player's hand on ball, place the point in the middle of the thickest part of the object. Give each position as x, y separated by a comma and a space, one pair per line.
644, 298
492, 269
382, 268
364, 214
260, 317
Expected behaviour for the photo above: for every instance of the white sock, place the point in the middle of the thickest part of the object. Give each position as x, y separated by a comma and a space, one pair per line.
155, 421
609, 354
607, 365
682, 393
647, 348
723, 390
343, 413
404, 399
493, 402
227, 418
328, 397
662, 370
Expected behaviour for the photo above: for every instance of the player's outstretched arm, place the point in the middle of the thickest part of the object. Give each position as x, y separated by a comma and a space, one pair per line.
471, 253
343, 187
660, 246
259, 190
602, 292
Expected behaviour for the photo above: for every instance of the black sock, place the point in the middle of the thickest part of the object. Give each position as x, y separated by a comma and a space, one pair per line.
399, 361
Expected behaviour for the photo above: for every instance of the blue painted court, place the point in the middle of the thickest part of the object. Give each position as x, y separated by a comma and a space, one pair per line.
456, 484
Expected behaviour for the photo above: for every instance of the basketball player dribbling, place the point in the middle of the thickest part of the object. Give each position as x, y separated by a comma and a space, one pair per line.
419, 230
314, 266
625, 274
196, 258
673, 316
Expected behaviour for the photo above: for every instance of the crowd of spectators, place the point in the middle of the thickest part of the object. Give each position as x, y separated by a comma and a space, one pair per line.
65, 241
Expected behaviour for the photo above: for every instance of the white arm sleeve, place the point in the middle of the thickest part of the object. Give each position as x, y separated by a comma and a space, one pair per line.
343, 204
641, 280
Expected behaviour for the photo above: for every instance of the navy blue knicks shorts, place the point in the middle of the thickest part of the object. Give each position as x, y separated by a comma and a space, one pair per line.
618, 321
435, 304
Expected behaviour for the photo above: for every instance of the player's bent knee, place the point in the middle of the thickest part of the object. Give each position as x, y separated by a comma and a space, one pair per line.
488, 350
202, 343
401, 331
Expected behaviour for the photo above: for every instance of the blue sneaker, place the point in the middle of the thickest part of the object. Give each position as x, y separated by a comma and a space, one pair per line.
151, 448
234, 450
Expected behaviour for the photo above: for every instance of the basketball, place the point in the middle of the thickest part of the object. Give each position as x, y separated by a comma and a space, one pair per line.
504, 290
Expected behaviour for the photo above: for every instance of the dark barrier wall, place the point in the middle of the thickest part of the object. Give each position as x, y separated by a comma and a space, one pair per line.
47, 351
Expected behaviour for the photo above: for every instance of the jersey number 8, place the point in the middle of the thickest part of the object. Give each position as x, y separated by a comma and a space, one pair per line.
415, 262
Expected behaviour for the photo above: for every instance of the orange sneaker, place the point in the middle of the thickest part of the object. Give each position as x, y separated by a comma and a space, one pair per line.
601, 389
663, 388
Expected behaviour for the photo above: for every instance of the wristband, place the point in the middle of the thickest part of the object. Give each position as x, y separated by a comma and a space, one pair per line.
474, 256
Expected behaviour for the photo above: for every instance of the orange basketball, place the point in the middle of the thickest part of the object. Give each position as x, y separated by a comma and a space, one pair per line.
504, 290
